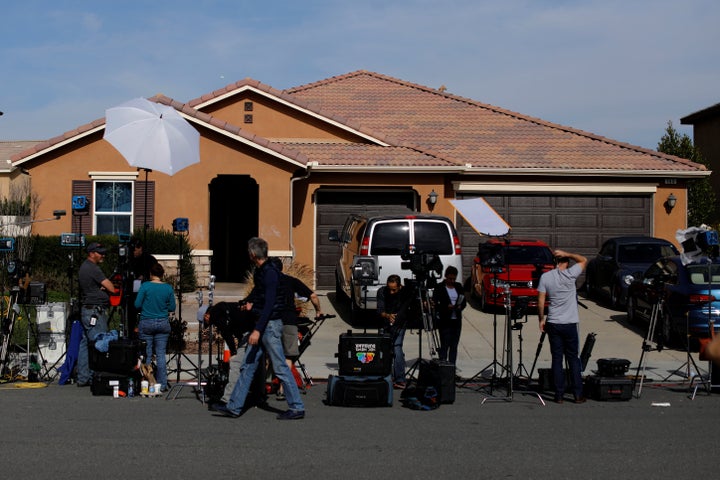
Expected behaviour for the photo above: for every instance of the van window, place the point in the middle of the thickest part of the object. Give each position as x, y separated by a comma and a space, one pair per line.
390, 238
433, 237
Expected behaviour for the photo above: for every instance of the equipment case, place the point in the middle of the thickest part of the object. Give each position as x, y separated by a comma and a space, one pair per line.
122, 357
438, 374
608, 388
365, 354
612, 367
360, 391
104, 382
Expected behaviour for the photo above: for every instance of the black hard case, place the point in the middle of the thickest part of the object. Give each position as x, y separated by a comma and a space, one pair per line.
122, 356
360, 391
438, 374
608, 388
365, 354
103, 383
612, 367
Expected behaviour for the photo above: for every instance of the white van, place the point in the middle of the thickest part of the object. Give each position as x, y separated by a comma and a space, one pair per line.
371, 249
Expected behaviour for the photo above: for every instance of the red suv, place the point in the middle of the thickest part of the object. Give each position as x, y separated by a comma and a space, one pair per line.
517, 263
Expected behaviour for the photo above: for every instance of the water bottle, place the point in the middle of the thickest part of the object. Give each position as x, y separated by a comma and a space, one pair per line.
131, 388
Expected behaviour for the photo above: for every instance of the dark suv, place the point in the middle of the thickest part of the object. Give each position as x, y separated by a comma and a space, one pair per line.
514, 263
621, 261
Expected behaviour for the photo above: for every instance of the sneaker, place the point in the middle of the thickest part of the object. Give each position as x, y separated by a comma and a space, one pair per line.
399, 385
291, 415
580, 400
223, 410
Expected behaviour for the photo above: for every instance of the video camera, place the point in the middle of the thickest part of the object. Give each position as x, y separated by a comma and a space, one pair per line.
422, 265
696, 242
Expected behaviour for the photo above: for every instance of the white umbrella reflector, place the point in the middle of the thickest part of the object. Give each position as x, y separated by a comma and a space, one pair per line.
152, 136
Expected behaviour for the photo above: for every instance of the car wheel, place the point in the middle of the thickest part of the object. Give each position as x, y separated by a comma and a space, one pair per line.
339, 293
631, 310
615, 296
589, 292
663, 330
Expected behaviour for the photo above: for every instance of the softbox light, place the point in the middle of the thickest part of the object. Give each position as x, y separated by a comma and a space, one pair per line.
481, 217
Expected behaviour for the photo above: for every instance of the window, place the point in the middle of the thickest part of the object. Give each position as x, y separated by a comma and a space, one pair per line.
113, 207
390, 238
433, 237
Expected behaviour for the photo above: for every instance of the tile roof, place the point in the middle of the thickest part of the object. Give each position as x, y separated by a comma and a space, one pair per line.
369, 156
422, 127
464, 131
9, 148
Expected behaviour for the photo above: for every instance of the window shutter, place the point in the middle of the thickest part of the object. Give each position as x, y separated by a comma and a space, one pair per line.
141, 207
83, 223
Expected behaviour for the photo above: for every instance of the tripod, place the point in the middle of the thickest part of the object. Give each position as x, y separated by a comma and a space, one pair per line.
196, 382
658, 311
427, 313
518, 325
494, 364
510, 387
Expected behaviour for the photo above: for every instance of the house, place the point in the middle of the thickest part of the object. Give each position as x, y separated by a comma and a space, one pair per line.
706, 137
289, 165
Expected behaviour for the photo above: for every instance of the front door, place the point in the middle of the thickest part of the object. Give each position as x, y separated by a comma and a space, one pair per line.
233, 221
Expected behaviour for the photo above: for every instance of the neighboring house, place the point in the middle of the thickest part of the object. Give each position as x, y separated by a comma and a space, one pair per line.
706, 138
290, 165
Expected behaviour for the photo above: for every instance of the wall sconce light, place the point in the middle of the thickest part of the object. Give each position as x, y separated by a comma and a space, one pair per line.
432, 197
671, 202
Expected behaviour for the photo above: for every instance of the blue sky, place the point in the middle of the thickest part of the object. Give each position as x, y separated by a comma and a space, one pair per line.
617, 68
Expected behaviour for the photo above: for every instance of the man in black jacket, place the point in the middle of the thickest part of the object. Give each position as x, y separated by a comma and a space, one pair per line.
270, 302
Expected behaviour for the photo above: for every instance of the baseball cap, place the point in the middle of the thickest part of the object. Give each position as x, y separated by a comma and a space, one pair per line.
96, 247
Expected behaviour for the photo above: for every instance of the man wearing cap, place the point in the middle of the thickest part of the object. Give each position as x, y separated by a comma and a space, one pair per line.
559, 287
94, 288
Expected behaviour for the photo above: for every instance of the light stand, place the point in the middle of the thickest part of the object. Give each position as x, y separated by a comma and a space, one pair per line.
493, 257
510, 388
520, 318
181, 228
7, 323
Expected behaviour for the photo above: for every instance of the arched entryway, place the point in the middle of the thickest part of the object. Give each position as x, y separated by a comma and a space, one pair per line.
233, 221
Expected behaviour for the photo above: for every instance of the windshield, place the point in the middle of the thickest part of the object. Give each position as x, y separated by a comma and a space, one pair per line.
643, 253
528, 254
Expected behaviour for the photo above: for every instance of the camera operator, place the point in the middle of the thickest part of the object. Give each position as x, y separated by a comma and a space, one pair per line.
139, 263
94, 288
393, 301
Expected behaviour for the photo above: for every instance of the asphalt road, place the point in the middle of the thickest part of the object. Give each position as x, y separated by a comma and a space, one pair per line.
64, 432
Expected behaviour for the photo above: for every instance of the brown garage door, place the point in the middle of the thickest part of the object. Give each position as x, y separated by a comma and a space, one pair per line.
577, 223
334, 206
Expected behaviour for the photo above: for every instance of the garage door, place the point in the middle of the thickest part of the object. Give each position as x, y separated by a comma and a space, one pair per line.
577, 223
334, 206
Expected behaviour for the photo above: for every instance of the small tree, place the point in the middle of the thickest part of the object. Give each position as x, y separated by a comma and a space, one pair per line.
701, 197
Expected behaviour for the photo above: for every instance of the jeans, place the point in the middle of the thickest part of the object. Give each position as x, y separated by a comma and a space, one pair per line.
449, 340
156, 332
234, 365
398, 355
565, 341
271, 343
84, 374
